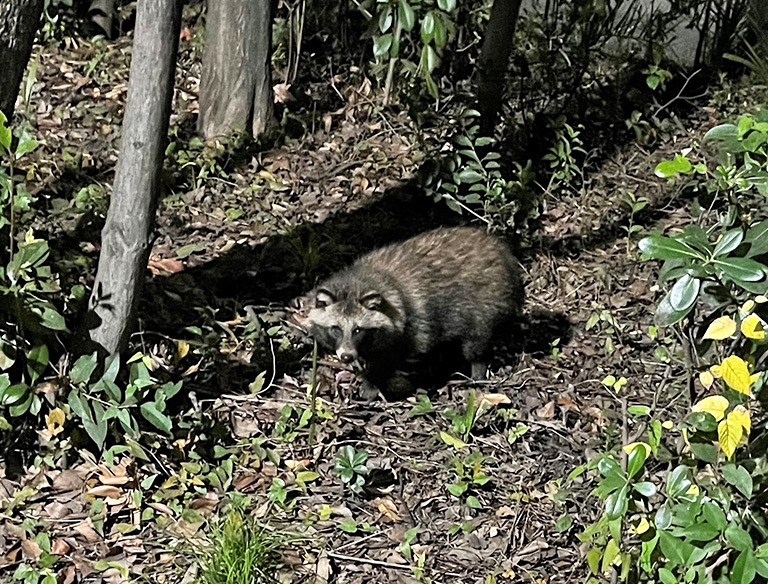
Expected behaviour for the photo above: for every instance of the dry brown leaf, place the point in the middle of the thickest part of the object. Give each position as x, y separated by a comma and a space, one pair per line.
85, 528
106, 491
113, 480
547, 411
165, 266
68, 480
67, 576
505, 511
495, 399
205, 504
387, 508
60, 547
162, 508
31, 549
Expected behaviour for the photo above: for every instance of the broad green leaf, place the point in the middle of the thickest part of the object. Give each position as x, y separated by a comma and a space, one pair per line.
447, 5
743, 571
714, 515
610, 553
14, 394
636, 459
678, 481
428, 27
83, 368
381, 45
757, 237
617, 503
722, 131
721, 328
739, 477
680, 164
666, 315
737, 538
406, 15
53, 320
730, 241
740, 269
158, 419
684, 293
5, 133
646, 489
659, 247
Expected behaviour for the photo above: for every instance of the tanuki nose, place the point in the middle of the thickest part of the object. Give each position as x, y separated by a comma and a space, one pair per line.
347, 357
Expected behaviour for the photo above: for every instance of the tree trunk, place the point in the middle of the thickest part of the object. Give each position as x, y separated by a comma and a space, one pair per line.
19, 20
125, 238
759, 17
236, 84
494, 60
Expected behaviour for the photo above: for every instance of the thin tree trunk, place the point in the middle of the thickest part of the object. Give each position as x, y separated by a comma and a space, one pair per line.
236, 85
126, 236
759, 17
494, 59
19, 20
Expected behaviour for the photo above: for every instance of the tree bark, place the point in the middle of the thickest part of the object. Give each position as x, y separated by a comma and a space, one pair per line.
236, 85
759, 16
126, 235
494, 60
19, 20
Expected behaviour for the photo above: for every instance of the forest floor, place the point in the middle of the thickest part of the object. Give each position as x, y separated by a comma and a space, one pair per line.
243, 233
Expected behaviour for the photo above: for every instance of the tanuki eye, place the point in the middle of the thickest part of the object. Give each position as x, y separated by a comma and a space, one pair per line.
335, 332
357, 330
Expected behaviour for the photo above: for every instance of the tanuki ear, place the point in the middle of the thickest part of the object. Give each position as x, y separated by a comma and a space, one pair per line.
323, 298
372, 301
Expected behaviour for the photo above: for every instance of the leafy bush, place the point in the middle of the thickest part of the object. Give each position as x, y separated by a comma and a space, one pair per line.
687, 503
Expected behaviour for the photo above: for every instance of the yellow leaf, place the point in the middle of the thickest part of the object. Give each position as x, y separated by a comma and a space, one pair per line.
740, 414
716, 371
752, 327
715, 405
754, 377
747, 307
642, 527
452, 441
668, 424
720, 329
692, 490
729, 433
55, 421
736, 374
761, 299
630, 447
182, 348
706, 378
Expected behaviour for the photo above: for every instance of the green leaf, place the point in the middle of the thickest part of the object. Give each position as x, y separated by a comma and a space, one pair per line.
738, 538
665, 248
645, 488
458, 489
722, 131
53, 320
473, 503
446, 5
743, 568
680, 164
385, 19
636, 460
406, 15
757, 237
381, 45
25, 145
741, 269
678, 481
666, 315
617, 503
21, 407
154, 416
5, 133
684, 293
667, 577
441, 32
739, 477
37, 361
83, 368
730, 241
428, 27
469, 176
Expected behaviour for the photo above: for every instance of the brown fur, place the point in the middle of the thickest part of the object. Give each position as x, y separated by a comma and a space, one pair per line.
450, 284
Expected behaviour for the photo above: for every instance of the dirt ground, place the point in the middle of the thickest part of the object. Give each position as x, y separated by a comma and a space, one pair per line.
252, 234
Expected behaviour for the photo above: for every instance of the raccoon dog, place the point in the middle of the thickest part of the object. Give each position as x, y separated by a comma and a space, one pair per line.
450, 284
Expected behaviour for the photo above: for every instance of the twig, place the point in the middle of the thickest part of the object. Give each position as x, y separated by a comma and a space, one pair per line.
313, 397
679, 93
369, 561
